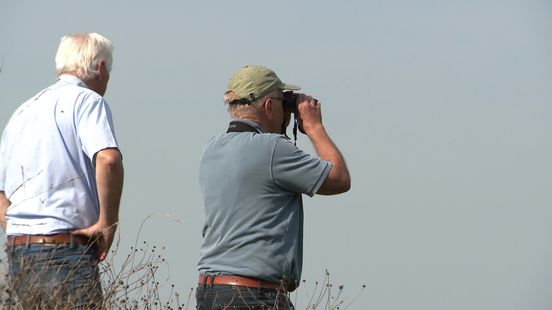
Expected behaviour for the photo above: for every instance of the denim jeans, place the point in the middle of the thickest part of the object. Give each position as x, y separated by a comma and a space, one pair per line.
49, 276
239, 297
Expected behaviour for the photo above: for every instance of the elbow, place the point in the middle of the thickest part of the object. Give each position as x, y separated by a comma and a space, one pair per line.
110, 158
341, 179
335, 186
345, 185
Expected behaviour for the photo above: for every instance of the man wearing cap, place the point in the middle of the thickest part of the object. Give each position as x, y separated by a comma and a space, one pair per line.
252, 178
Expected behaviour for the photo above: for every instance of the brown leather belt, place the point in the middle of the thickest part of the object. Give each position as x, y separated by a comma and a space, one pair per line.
239, 281
64, 238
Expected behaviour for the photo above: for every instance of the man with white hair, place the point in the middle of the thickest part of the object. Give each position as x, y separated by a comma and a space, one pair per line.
61, 179
252, 178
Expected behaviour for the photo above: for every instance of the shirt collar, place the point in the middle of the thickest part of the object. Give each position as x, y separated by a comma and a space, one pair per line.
250, 123
68, 78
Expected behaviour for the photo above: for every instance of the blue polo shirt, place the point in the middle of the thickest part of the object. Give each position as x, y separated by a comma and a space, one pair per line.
252, 185
46, 158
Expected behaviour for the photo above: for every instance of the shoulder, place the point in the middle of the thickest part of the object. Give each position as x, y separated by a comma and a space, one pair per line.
87, 101
71, 86
248, 138
86, 94
273, 143
282, 143
263, 145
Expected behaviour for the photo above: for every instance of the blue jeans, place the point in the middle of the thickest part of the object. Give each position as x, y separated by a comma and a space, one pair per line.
239, 297
50, 276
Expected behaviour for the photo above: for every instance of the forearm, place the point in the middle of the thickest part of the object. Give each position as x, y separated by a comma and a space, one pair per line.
338, 179
4, 204
109, 179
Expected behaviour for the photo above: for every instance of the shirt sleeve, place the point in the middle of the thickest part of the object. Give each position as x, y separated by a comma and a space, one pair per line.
95, 125
297, 171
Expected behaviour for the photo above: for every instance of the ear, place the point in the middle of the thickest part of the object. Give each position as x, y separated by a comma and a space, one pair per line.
267, 107
102, 70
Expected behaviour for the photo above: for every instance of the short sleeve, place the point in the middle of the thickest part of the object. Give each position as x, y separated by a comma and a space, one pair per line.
297, 171
95, 126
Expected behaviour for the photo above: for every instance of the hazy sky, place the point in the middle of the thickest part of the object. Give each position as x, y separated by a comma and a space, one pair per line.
442, 110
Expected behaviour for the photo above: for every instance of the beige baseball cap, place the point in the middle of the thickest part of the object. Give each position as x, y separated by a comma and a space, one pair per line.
252, 82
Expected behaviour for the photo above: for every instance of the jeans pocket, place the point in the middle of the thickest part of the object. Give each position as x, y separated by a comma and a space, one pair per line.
58, 274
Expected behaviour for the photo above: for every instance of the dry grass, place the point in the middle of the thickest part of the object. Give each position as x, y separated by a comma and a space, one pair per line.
137, 283
325, 295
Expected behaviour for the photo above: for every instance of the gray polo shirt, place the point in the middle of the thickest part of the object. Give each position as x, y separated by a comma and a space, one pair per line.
252, 184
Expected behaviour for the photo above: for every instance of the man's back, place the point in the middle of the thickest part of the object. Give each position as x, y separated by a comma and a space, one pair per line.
252, 179
49, 177
252, 184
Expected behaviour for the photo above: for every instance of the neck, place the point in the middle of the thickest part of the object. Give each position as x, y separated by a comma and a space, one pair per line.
95, 85
257, 120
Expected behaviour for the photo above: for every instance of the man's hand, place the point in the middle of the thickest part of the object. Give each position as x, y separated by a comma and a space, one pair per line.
4, 204
109, 178
102, 235
310, 114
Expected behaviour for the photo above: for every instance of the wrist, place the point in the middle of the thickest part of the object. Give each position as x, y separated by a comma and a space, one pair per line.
108, 223
313, 129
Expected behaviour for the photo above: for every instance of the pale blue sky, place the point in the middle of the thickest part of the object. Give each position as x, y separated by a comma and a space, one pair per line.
442, 109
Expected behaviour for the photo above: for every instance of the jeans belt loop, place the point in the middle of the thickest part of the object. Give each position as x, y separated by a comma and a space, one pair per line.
28, 244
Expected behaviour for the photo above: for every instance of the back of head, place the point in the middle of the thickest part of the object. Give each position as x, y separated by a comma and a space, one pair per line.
247, 87
81, 53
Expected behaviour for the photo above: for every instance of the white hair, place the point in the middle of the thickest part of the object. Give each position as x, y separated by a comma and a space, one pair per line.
81, 53
240, 110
